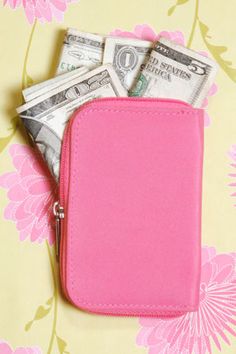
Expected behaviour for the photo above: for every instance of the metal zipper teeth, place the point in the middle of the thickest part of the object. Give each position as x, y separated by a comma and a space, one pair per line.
62, 204
62, 201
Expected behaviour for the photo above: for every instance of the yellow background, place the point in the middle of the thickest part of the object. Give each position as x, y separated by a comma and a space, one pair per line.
25, 273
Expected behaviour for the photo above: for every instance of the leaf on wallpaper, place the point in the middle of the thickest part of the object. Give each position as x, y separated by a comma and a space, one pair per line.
28, 81
217, 51
50, 301
41, 312
61, 345
172, 8
4, 141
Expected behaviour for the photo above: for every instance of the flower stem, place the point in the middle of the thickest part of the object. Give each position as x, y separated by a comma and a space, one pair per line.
55, 295
194, 24
4, 141
24, 73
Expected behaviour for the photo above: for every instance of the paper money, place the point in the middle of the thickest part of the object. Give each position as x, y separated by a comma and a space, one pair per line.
174, 71
40, 89
45, 117
80, 49
128, 56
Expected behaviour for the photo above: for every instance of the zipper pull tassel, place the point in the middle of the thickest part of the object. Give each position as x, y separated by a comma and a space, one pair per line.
58, 212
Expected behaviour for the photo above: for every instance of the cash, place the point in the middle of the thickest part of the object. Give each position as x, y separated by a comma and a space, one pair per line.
165, 69
45, 116
80, 49
39, 89
128, 57
174, 71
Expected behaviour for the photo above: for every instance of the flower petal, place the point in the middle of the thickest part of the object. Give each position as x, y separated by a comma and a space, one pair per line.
30, 13
145, 32
5, 349
8, 180
17, 193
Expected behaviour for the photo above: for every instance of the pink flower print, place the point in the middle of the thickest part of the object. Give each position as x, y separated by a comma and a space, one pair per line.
232, 155
43, 10
175, 36
140, 31
195, 332
31, 193
6, 349
147, 33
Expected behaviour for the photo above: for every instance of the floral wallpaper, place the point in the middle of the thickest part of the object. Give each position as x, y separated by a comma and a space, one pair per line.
28, 192
215, 319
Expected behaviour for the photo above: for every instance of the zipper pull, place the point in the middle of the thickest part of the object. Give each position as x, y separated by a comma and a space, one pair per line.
58, 212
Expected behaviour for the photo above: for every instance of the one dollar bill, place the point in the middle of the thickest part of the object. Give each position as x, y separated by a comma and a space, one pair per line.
128, 56
46, 116
80, 49
176, 72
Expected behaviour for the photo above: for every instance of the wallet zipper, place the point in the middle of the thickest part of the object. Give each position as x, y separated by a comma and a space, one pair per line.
59, 214
59, 209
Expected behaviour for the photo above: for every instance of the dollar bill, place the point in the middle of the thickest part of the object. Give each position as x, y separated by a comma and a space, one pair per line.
40, 89
46, 116
174, 71
128, 56
80, 49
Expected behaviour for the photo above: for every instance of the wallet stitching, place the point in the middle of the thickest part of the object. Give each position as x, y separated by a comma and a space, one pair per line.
179, 307
83, 114
174, 113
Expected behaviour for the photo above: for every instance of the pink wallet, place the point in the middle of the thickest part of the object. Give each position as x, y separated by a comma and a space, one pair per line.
129, 210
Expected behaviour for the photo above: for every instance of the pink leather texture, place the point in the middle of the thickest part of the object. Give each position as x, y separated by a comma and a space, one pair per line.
130, 184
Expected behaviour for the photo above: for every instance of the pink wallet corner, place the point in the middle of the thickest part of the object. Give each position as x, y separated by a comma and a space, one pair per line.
130, 189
